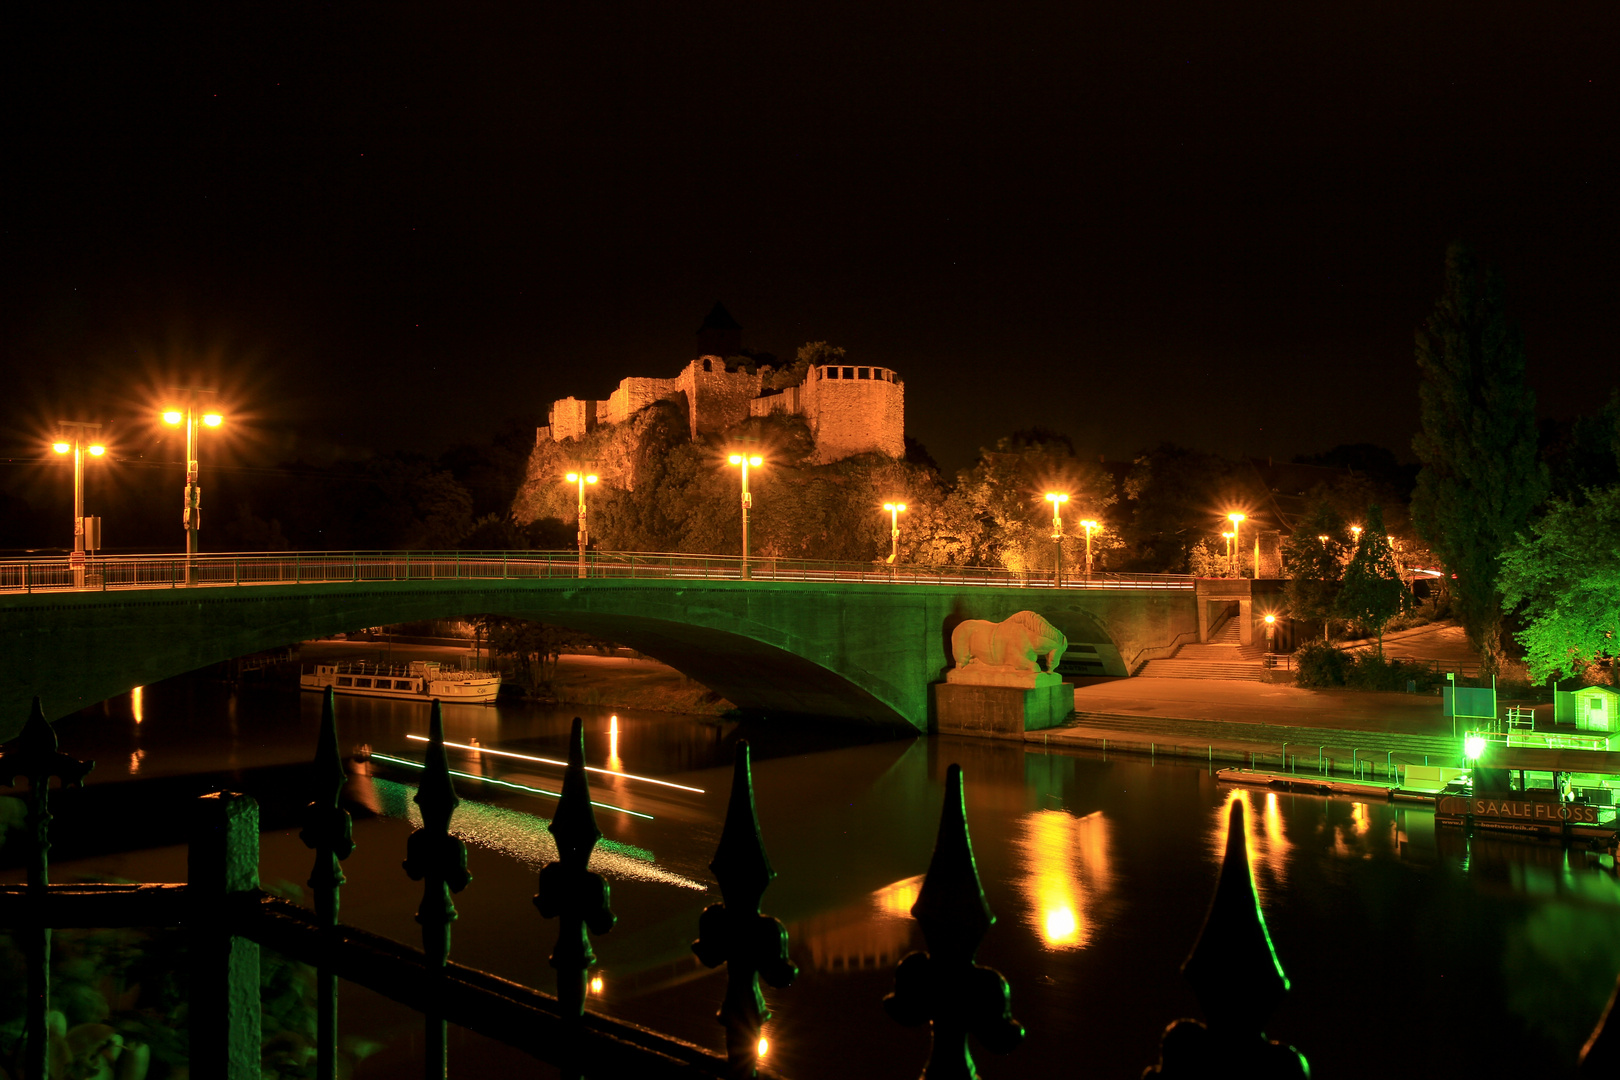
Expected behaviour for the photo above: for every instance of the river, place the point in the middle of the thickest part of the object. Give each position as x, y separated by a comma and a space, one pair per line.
1411, 952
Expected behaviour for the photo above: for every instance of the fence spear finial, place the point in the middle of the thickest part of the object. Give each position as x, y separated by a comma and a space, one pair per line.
734, 933
1234, 972
944, 986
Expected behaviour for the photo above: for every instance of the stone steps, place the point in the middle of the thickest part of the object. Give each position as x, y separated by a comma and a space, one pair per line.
1176, 668
1173, 730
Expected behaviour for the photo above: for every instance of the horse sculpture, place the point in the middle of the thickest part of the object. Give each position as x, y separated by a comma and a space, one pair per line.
1017, 644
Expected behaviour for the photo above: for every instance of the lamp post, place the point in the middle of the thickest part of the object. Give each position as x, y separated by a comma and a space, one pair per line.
1355, 531
78, 439
1089, 525
745, 460
1057, 499
894, 510
1271, 631
1237, 545
1228, 538
188, 413
582, 478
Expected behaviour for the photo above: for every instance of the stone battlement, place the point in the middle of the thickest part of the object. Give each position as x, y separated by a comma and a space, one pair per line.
850, 409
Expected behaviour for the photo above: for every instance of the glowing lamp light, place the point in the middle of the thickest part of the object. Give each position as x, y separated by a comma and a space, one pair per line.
1236, 519
97, 451
574, 478
172, 416
61, 447
894, 507
596, 984
763, 1048
1270, 619
1474, 747
212, 419
738, 459
1088, 524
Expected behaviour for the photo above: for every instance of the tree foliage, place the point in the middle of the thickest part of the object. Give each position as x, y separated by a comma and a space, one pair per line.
1480, 477
1565, 575
1315, 566
1172, 495
1372, 592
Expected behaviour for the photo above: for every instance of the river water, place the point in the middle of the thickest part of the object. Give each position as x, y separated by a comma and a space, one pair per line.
1411, 952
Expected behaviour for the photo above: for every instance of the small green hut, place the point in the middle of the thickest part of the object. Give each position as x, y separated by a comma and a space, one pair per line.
1595, 708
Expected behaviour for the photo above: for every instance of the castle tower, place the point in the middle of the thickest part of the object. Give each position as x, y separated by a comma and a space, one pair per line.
720, 335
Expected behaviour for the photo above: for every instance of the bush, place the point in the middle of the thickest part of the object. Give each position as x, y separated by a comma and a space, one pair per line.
1321, 665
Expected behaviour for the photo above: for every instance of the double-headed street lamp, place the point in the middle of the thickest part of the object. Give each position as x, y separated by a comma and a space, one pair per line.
1089, 525
582, 478
1057, 499
79, 439
189, 412
1237, 544
894, 510
745, 460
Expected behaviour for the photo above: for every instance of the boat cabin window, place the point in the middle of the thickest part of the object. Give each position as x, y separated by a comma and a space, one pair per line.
363, 682
344, 680
385, 684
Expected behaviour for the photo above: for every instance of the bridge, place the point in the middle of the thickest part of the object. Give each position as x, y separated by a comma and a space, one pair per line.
777, 637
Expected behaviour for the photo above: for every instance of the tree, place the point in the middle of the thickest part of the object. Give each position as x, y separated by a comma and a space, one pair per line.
1565, 575
1372, 591
1480, 477
1315, 566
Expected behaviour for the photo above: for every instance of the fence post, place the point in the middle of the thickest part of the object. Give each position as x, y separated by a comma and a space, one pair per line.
575, 897
33, 756
330, 832
1234, 973
734, 933
223, 871
439, 861
943, 986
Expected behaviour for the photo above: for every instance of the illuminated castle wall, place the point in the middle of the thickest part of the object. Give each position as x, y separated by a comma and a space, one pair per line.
850, 409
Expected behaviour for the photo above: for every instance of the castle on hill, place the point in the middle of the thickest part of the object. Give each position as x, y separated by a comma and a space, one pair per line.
850, 409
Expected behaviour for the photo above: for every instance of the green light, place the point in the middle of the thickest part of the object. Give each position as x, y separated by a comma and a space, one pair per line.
506, 783
1473, 747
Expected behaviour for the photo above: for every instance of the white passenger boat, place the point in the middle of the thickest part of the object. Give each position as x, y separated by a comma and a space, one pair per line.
420, 680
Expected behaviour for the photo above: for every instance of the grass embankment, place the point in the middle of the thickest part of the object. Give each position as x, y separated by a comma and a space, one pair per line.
618, 683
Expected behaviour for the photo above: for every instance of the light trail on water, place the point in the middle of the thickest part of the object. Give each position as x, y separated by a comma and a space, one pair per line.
564, 764
506, 783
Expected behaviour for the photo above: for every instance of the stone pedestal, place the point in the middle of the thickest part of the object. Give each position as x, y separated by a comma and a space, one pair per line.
1000, 712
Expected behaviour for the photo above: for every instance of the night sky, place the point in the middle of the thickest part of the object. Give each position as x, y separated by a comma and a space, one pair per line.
391, 226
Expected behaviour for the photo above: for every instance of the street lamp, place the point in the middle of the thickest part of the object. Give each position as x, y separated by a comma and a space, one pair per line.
1237, 545
1271, 631
190, 413
745, 460
1057, 499
79, 439
1089, 525
1355, 531
894, 510
582, 478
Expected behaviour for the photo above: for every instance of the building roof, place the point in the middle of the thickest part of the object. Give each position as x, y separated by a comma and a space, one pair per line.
719, 319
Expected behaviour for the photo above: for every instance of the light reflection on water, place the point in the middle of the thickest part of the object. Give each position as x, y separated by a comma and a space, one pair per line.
1067, 874
522, 836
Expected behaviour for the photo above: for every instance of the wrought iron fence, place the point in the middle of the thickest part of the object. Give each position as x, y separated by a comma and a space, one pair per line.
319, 567
226, 918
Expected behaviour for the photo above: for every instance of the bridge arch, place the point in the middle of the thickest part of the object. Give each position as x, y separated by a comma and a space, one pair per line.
853, 650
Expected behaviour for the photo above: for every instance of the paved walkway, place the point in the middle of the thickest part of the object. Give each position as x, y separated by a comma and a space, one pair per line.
1262, 703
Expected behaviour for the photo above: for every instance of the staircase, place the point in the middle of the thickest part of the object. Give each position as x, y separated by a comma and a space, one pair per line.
1222, 657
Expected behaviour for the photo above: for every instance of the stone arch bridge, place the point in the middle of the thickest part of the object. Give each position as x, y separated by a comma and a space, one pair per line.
861, 642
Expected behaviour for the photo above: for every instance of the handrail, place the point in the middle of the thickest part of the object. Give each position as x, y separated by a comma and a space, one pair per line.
251, 569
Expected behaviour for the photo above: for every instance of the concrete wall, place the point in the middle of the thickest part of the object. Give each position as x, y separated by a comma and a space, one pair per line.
851, 651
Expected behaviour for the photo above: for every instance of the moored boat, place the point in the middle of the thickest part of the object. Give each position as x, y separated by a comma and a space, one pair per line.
420, 680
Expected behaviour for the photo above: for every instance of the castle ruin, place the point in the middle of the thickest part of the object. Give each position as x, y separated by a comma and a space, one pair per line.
850, 408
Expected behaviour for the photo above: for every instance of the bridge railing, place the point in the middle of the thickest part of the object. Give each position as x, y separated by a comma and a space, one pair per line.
318, 567
224, 918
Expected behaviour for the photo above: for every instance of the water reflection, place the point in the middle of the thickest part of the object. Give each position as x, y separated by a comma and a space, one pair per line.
524, 837
137, 703
613, 761
1268, 841
1067, 872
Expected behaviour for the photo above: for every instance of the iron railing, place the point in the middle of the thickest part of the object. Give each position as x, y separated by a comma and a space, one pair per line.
324, 567
226, 918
